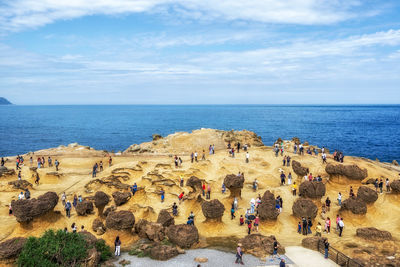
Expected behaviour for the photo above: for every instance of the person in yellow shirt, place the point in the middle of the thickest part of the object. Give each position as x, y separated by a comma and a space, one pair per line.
294, 189
318, 230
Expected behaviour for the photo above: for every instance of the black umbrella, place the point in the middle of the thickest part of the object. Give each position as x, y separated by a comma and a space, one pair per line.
251, 217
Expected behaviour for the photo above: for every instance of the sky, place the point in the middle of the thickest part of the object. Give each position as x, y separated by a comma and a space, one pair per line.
200, 51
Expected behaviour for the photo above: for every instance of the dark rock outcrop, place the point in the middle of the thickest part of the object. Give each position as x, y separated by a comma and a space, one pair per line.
163, 252
267, 209
4, 171
313, 243
259, 245
235, 184
101, 199
395, 186
303, 207
108, 210
194, 183
312, 189
366, 194
165, 218
157, 137
120, 220
11, 248
352, 172
298, 169
20, 184
121, 197
150, 230
371, 233
354, 205
98, 226
84, 208
26, 210
89, 238
213, 209
183, 235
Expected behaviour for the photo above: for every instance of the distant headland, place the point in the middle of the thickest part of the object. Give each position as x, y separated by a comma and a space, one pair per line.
4, 101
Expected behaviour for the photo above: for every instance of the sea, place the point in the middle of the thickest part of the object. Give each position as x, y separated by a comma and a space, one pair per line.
370, 131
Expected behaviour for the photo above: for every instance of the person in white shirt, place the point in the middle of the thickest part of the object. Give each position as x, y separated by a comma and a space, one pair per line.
341, 225
339, 198
247, 157
21, 195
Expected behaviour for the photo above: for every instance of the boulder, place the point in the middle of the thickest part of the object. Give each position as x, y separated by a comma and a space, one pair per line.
157, 137
120, 220
165, 218
163, 252
194, 183
121, 197
352, 172
213, 209
371, 233
298, 169
26, 210
259, 245
314, 243
108, 210
98, 226
296, 140
369, 181
20, 184
89, 238
5, 171
312, 189
101, 199
183, 235
150, 230
304, 207
366, 194
235, 184
267, 209
84, 208
394, 162
395, 186
11, 248
93, 258
354, 205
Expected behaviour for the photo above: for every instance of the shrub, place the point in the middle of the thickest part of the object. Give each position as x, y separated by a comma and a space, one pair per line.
104, 249
53, 249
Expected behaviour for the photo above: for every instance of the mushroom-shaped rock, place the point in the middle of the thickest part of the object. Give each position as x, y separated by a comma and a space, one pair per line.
235, 184
11, 248
298, 169
150, 230
267, 209
213, 209
165, 218
163, 252
313, 242
84, 207
312, 189
89, 238
120, 220
352, 172
98, 226
304, 207
354, 205
371, 233
259, 245
4, 171
395, 186
121, 197
366, 194
20, 184
101, 199
26, 209
183, 235
194, 183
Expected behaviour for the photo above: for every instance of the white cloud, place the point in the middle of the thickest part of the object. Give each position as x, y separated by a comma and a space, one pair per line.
21, 14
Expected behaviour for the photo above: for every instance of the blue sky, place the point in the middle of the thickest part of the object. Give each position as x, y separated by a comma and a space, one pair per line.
200, 52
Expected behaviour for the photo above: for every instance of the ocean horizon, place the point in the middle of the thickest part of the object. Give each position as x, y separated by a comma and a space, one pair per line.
364, 130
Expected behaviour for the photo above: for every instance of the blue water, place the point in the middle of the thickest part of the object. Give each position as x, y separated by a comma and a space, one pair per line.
366, 131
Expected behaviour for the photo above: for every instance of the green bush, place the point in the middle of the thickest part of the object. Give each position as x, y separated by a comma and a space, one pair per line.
53, 249
104, 249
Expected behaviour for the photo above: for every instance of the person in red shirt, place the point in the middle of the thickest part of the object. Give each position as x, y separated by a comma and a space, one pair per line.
241, 220
204, 189
181, 196
249, 226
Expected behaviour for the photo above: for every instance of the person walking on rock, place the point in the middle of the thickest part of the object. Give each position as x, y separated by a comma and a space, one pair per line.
117, 244
239, 255
56, 163
247, 157
387, 185
341, 225
68, 209
326, 246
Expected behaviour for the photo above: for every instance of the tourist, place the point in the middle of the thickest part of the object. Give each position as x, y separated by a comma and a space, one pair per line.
49, 160
203, 157
181, 181
323, 158
94, 170
327, 204
204, 189
241, 220
337, 222
294, 189
284, 161
252, 205
233, 213
288, 161
210, 149
255, 185
213, 149
280, 201
289, 180
109, 162
295, 149
256, 223
195, 156
56, 163
275, 252
37, 178
249, 225
381, 186
223, 189
174, 209
192, 157
247, 157
326, 245
19, 176
351, 194
282, 263
117, 244
10, 210
75, 201
65, 230
134, 189
239, 255
208, 191
238, 147
283, 176
282, 150
318, 229
387, 185
339, 199
309, 224
63, 198
235, 203
299, 228
101, 166
73, 228
180, 197
3, 162
341, 225
328, 225
162, 193
68, 209
80, 198
21, 195
376, 184
304, 226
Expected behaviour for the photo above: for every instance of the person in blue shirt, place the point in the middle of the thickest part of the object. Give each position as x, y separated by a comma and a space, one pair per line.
134, 189
68, 209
